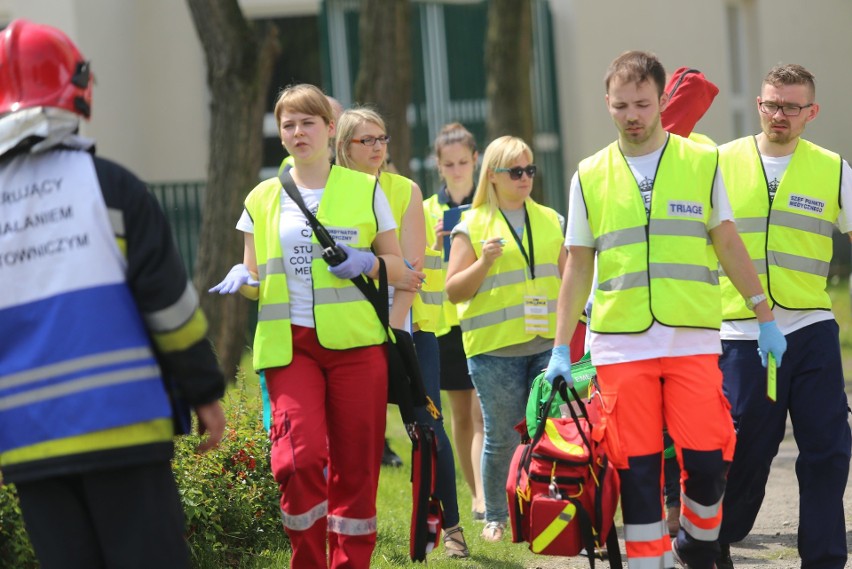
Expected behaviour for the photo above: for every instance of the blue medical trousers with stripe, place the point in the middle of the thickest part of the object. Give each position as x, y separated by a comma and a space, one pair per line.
811, 388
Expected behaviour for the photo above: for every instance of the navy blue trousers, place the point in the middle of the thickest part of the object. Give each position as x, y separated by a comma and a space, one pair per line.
129, 517
811, 389
445, 483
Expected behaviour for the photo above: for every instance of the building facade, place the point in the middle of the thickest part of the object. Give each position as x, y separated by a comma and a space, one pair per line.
151, 102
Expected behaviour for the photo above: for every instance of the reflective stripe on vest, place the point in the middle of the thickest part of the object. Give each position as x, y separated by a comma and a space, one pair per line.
791, 241
346, 202
426, 306
428, 303
448, 316
494, 317
653, 270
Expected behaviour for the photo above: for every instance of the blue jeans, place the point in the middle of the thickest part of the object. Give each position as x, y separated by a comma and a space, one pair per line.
503, 386
445, 472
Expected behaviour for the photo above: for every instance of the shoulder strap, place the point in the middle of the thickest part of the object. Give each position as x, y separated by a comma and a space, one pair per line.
378, 298
289, 186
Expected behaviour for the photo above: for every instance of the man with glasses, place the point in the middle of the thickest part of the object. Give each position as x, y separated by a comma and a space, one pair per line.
651, 211
787, 194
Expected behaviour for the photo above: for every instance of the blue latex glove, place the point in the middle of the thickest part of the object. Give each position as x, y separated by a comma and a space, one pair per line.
356, 262
236, 277
559, 365
771, 340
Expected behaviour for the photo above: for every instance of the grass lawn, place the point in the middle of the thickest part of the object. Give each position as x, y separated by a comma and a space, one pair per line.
394, 501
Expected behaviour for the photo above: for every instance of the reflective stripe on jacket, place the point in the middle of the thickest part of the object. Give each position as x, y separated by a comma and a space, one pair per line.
790, 241
78, 374
660, 269
494, 317
347, 203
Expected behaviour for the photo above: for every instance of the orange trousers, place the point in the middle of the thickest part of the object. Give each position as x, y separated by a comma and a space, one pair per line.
684, 394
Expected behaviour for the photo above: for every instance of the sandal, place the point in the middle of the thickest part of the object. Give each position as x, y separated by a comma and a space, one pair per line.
455, 546
493, 531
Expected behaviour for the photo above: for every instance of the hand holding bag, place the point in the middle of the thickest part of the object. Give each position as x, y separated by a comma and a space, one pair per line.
562, 490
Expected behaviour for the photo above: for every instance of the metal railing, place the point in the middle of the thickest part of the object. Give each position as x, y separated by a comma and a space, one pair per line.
182, 203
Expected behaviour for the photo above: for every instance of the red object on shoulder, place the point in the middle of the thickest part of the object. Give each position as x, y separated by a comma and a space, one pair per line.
690, 95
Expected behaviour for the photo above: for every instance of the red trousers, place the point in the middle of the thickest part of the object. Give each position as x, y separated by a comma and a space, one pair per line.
328, 410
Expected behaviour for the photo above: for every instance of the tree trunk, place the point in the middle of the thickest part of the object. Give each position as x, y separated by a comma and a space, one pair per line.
384, 75
240, 56
508, 68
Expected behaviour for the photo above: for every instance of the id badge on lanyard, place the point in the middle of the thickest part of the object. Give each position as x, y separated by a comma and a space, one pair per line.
536, 318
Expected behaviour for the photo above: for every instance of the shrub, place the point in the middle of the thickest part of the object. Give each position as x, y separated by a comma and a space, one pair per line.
229, 496
15, 548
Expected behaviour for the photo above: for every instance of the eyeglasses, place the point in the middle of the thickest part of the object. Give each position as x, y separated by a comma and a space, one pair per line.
770, 109
517, 172
372, 140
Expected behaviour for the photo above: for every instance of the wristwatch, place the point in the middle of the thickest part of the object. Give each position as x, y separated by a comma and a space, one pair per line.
753, 301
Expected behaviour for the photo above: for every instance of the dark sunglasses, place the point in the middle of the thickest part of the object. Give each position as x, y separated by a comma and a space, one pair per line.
517, 172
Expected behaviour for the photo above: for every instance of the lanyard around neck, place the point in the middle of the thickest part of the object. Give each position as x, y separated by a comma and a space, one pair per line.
530, 259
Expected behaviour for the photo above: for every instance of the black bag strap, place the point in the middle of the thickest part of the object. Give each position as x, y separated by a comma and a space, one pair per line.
378, 298
612, 548
323, 236
562, 388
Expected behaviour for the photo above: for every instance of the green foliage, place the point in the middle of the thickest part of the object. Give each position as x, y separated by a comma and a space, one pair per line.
15, 548
229, 496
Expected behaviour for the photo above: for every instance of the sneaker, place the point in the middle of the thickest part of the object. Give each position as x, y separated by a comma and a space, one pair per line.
677, 556
390, 458
493, 531
724, 560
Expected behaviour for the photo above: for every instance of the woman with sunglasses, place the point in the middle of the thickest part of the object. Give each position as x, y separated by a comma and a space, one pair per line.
456, 157
504, 271
319, 344
362, 145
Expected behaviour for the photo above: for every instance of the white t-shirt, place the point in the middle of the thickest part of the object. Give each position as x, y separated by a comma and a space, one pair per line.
791, 320
295, 232
658, 341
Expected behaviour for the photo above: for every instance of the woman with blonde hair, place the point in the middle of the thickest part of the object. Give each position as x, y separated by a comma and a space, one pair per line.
362, 145
504, 271
319, 345
456, 157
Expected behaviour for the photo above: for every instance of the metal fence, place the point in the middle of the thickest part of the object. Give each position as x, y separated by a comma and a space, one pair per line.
182, 203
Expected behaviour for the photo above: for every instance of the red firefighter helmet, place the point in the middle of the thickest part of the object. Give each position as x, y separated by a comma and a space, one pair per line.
41, 67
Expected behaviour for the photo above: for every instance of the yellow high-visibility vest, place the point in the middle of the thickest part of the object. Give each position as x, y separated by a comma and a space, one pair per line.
448, 317
425, 310
661, 269
790, 242
494, 317
347, 202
